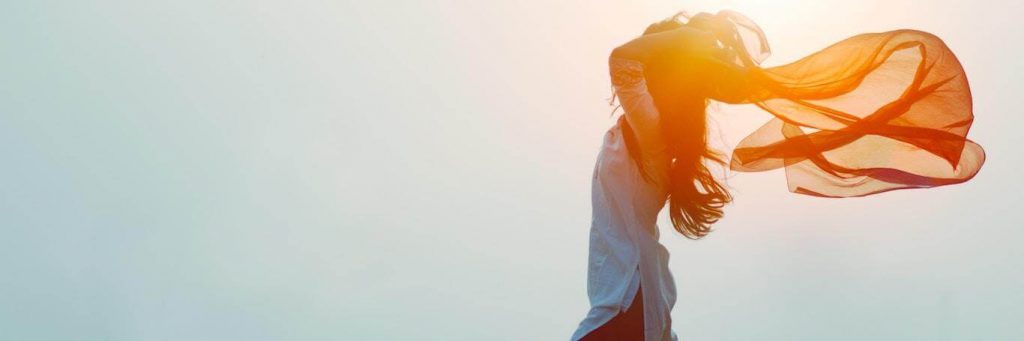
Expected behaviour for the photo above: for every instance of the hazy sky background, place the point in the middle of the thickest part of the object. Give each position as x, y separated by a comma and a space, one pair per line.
419, 170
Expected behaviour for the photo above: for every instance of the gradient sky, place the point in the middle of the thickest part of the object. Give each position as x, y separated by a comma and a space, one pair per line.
384, 170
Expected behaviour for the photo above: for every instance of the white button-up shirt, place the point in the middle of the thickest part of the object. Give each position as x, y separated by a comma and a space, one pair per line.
624, 250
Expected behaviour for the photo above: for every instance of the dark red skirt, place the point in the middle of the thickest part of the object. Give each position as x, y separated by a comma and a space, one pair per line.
627, 325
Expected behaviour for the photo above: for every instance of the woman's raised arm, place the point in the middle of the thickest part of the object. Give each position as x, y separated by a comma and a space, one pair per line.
678, 42
714, 65
728, 82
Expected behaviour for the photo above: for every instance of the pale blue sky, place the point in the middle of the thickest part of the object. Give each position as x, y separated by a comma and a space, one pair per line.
384, 170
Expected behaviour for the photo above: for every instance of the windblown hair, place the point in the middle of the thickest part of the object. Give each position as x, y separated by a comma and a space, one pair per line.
696, 198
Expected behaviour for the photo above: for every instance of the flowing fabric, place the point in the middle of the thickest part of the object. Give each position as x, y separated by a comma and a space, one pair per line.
871, 113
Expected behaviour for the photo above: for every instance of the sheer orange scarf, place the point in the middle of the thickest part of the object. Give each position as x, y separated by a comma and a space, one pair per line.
871, 113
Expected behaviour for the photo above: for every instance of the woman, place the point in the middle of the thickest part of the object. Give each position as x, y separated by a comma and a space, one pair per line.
890, 110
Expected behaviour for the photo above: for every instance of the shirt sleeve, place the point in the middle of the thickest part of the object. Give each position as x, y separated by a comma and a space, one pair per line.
627, 77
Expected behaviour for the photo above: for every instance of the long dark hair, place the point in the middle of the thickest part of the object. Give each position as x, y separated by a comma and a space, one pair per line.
696, 198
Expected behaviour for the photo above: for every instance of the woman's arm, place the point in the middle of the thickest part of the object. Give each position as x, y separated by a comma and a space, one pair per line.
694, 46
725, 79
697, 49
682, 42
729, 82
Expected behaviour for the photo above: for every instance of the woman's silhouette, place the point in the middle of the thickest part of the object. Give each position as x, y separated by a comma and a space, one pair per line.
889, 111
